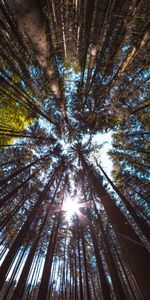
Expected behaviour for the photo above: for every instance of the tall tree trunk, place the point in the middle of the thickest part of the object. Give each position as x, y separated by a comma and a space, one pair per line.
142, 225
80, 267
111, 263
16, 189
102, 275
13, 175
18, 241
17, 295
44, 285
137, 255
88, 292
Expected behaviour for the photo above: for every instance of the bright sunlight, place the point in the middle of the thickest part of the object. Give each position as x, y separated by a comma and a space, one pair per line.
70, 207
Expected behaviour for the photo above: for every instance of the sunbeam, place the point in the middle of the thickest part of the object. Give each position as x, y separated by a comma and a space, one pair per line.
71, 207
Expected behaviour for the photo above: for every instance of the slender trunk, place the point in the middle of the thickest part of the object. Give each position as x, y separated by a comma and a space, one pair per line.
44, 285
140, 108
16, 189
144, 197
13, 175
104, 283
23, 99
130, 242
111, 263
88, 292
18, 241
8, 162
141, 224
17, 295
80, 267
75, 275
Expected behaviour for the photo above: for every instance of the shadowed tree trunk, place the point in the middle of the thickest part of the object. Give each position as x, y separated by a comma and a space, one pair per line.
88, 292
80, 267
23, 231
16, 189
130, 242
44, 285
142, 225
111, 263
13, 175
104, 283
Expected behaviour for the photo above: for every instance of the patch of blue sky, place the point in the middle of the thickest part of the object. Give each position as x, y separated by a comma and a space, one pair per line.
44, 124
23, 85
2, 247
32, 275
104, 140
34, 71
14, 264
147, 73
126, 47
104, 159
7, 72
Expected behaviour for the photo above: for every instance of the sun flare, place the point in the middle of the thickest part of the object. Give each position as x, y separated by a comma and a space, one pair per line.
70, 207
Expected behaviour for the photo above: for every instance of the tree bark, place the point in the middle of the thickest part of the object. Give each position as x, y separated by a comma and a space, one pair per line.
137, 255
141, 224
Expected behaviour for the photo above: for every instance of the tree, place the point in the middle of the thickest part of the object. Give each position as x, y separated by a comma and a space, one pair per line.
69, 70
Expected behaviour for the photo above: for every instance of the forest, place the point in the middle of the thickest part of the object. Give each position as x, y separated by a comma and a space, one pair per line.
70, 227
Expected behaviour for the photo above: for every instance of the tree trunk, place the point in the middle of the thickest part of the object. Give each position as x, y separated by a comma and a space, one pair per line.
16, 189
137, 255
80, 267
142, 225
18, 241
11, 176
85, 264
44, 285
102, 275
111, 263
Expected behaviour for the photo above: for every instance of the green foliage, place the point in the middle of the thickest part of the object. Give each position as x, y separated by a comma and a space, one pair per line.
13, 115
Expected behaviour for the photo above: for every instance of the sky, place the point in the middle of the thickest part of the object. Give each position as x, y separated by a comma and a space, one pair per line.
106, 163
105, 160
98, 139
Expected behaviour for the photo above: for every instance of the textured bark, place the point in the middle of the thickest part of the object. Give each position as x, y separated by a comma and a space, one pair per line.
120, 294
104, 283
31, 18
44, 285
88, 292
130, 242
142, 225
23, 231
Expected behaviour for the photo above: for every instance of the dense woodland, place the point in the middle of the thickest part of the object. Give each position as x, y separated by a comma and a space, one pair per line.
71, 69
